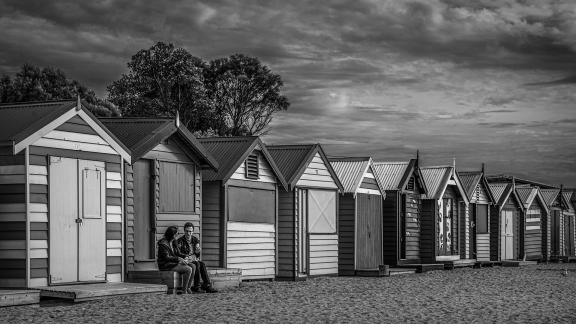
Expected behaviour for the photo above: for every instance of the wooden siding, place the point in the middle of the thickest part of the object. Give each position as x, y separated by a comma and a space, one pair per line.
391, 227
12, 219
265, 172
428, 231
533, 233
76, 142
38, 214
287, 234
169, 151
480, 196
129, 214
368, 231
412, 218
323, 254
494, 226
212, 224
76, 125
316, 175
483, 247
346, 234
252, 248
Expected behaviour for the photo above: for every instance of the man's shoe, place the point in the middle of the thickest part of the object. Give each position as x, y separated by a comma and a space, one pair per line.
197, 290
209, 289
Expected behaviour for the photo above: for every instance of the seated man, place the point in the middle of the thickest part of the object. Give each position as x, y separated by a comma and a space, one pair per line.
189, 245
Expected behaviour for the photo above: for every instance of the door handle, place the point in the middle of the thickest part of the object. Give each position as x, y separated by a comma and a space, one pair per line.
78, 220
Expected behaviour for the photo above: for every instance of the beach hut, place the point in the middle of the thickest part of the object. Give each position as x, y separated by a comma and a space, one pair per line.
163, 183
536, 215
307, 212
506, 230
444, 216
240, 207
404, 187
360, 223
481, 198
566, 226
551, 248
61, 182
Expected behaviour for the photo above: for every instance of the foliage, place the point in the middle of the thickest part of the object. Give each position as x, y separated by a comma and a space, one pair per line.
228, 96
33, 83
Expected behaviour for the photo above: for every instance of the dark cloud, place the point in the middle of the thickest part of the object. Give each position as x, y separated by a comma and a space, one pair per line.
567, 80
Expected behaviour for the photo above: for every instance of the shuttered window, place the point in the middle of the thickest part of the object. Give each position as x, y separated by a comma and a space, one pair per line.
251, 166
410, 185
176, 187
92, 193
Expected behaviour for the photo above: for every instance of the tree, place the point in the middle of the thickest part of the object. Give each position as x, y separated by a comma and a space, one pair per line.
245, 93
33, 83
161, 81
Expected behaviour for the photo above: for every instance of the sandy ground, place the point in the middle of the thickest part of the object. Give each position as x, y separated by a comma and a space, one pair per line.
536, 294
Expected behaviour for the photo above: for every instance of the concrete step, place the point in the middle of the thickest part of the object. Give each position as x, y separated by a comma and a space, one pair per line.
19, 297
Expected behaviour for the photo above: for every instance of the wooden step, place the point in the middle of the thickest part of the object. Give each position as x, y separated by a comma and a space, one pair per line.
421, 268
19, 297
519, 263
84, 292
401, 271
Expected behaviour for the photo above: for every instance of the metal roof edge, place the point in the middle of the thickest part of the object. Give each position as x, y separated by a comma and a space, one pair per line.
272, 164
330, 168
198, 147
40, 123
406, 176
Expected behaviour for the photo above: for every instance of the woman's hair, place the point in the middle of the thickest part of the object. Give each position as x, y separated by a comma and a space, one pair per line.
170, 232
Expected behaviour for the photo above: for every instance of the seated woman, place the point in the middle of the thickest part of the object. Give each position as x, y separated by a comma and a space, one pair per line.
168, 259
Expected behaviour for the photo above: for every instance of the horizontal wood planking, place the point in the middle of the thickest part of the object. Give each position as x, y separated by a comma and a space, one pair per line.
287, 234
390, 222
265, 173
75, 142
129, 213
8, 158
483, 247
323, 258
412, 219
76, 125
255, 244
316, 175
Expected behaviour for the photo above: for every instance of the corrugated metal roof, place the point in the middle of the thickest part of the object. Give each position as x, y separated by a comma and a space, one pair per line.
549, 195
350, 171
133, 130
28, 117
228, 151
290, 159
526, 195
436, 179
568, 196
498, 189
470, 180
390, 174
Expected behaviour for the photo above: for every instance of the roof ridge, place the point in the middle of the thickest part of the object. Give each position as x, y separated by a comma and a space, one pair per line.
29, 104
436, 166
349, 158
390, 162
134, 119
277, 146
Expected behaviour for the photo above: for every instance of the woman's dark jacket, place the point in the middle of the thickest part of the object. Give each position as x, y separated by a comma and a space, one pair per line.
167, 255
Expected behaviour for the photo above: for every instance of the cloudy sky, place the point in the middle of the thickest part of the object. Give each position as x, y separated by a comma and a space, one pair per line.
489, 81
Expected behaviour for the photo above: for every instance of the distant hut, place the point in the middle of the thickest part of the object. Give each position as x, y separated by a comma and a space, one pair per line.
307, 215
552, 248
506, 230
163, 183
240, 207
444, 214
360, 223
404, 187
536, 215
481, 199
61, 212
567, 228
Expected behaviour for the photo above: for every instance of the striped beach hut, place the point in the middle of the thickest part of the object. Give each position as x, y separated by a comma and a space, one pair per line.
481, 198
61, 182
360, 223
163, 183
404, 187
240, 207
536, 216
506, 230
444, 216
566, 226
551, 248
307, 215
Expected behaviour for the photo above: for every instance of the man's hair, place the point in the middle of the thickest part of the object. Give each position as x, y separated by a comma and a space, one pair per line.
189, 224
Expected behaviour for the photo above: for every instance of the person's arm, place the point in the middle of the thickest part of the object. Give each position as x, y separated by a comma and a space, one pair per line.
164, 254
196, 246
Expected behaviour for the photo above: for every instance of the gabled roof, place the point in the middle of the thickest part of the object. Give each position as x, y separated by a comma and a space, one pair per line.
518, 181
395, 175
350, 171
550, 195
23, 123
529, 195
568, 197
471, 179
292, 161
141, 135
502, 191
436, 179
230, 152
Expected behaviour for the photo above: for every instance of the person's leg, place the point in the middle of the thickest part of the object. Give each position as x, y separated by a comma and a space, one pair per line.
206, 284
186, 272
196, 285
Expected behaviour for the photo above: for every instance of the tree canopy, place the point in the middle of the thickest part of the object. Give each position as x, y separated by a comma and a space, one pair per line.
33, 83
228, 96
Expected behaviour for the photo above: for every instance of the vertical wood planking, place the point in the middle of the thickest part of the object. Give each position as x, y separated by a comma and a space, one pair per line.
212, 223
391, 239
346, 234
287, 233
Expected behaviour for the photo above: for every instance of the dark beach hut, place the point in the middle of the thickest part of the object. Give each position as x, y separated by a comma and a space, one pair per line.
535, 221
481, 198
61, 185
444, 216
307, 212
404, 187
565, 226
506, 230
163, 183
360, 223
552, 249
240, 207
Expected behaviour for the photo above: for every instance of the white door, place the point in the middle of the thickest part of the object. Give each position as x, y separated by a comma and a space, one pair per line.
507, 235
77, 220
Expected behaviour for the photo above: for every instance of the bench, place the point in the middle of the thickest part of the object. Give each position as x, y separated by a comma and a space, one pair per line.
220, 278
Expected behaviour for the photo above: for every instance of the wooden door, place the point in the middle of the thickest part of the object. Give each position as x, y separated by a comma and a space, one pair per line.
507, 235
63, 213
92, 221
368, 231
445, 234
555, 231
144, 241
303, 238
569, 235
